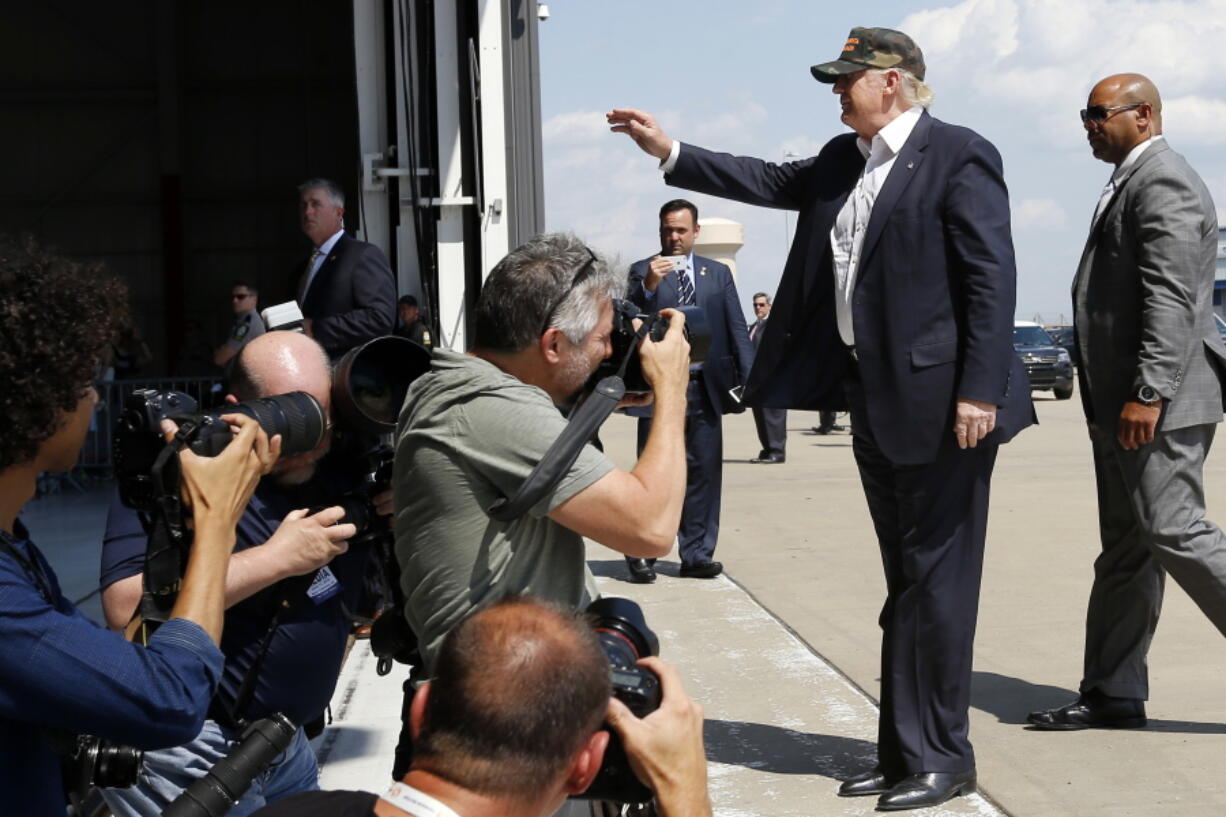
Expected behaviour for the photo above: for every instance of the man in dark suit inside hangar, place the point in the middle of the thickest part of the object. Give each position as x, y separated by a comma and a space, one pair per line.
896, 301
345, 289
678, 277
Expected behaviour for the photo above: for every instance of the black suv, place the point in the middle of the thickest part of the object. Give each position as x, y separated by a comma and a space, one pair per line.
1047, 364
1063, 336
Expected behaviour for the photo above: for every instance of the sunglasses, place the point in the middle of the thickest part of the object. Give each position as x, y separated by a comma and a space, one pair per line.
582, 275
1099, 114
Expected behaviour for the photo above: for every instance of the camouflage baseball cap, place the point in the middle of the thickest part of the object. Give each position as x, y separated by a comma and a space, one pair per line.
873, 48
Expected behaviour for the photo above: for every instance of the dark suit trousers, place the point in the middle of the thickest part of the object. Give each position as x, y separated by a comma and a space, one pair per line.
772, 425
1151, 514
930, 521
704, 459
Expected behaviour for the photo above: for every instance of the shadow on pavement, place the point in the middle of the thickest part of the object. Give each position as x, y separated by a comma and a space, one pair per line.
616, 569
1011, 699
780, 750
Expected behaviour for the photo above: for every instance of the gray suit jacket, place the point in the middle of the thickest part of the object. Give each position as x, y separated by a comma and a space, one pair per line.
1143, 296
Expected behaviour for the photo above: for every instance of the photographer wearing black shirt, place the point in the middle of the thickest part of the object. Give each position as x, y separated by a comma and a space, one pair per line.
59, 672
292, 582
511, 725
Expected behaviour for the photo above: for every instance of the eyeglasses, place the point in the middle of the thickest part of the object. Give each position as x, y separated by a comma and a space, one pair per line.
1099, 114
582, 275
758, 304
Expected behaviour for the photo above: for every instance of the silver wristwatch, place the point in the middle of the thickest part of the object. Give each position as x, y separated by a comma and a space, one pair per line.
1148, 395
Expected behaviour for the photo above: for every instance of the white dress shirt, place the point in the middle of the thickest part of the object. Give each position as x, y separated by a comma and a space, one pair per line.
1124, 166
321, 254
847, 235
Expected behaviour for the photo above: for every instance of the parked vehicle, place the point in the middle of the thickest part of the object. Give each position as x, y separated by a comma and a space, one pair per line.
1063, 336
1049, 365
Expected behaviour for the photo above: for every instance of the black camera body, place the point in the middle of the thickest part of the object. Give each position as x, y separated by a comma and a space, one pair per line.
297, 417
625, 637
625, 339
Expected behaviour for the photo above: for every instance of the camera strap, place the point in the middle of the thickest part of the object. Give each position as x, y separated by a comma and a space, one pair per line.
164, 557
290, 593
30, 566
582, 425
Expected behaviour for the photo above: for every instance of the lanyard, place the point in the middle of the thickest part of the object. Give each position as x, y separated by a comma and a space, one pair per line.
415, 802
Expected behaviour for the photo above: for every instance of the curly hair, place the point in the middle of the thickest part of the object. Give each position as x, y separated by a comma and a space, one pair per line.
56, 318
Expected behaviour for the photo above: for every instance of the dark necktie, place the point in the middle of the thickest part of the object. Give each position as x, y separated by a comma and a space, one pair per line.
305, 281
685, 288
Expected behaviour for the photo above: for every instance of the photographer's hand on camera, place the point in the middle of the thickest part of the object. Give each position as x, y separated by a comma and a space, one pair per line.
666, 364
665, 748
217, 490
637, 513
303, 543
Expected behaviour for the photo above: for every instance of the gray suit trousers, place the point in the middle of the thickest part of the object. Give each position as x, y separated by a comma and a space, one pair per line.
1151, 509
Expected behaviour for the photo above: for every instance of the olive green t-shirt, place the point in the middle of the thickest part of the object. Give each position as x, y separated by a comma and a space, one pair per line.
469, 434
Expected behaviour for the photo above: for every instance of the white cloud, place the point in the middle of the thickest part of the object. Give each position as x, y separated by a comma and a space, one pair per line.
1044, 214
1017, 71
575, 127
1043, 56
1195, 119
945, 33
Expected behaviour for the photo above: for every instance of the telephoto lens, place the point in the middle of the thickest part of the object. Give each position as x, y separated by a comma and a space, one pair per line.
214, 794
297, 417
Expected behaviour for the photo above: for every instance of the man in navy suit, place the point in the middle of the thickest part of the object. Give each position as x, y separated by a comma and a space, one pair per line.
677, 277
772, 424
346, 289
897, 302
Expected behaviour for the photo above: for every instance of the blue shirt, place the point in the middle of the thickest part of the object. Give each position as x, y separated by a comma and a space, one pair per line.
58, 669
300, 668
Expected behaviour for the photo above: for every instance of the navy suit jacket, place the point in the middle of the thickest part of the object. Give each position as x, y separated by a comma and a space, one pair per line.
352, 298
934, 294
731, 355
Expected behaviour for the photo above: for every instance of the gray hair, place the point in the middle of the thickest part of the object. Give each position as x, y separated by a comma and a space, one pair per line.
534, 289
334, 190
914, 90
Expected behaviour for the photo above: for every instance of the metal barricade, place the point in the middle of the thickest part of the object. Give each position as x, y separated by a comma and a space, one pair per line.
95, 459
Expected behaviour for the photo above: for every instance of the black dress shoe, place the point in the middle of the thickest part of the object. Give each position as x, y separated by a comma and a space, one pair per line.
1091, 710
641, 571
927, 789
769, 459
828, 429
874, 781
701, 570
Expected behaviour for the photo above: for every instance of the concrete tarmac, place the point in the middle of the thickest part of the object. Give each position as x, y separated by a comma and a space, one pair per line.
783, 650
797, 541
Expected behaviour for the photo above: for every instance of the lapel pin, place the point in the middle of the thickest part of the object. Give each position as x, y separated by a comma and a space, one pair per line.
702, 271
910, 165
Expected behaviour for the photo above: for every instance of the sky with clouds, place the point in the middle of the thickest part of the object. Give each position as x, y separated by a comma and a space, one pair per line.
734, 76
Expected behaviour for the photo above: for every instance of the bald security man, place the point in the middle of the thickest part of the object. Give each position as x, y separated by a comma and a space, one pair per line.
1150, 379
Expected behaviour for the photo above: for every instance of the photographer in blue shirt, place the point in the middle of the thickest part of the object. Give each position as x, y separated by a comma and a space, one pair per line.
61, 674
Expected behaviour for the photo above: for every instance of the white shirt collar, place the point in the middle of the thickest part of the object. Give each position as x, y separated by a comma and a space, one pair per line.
327, 246
1133, 155
894, 135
